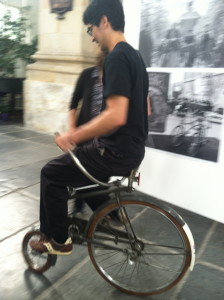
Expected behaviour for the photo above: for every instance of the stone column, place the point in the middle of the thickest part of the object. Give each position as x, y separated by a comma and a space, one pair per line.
64, 50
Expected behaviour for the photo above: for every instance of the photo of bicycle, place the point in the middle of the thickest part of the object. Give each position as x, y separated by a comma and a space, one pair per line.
187, 113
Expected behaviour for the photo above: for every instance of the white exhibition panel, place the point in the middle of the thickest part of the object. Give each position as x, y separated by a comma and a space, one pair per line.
190, 183
193, 184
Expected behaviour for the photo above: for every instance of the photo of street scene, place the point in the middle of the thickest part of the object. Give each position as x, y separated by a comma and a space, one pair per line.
184, 33
187, 113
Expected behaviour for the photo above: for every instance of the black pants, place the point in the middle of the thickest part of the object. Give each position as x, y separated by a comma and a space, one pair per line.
61, 172
93, 202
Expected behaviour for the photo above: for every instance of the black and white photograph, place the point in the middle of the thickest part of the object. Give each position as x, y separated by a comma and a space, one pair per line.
184, 33
186, 113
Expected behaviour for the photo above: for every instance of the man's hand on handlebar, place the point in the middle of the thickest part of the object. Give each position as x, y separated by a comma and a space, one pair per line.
64, 141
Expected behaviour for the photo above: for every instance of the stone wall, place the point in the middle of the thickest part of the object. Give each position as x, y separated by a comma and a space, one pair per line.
64, 50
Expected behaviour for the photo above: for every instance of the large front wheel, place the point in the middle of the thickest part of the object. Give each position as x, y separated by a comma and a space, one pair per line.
148, 260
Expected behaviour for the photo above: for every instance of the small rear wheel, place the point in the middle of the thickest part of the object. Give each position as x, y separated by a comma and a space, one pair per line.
156, 258
36, 261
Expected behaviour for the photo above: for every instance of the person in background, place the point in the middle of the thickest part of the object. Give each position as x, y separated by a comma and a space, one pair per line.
189, 49
206, 46
173, 36
86, 103
118, 133
171, 55
88, 95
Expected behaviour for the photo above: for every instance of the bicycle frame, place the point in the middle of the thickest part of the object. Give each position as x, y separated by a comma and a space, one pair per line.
130, 248
128, 234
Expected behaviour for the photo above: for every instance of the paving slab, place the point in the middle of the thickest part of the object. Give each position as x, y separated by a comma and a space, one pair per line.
205, 283
27, 156
44, 139
85, 283
5, 138
214, 252
22, 176
15, 145
4, 189
17, 212
24, 134
17, 282
32, 191
10, 128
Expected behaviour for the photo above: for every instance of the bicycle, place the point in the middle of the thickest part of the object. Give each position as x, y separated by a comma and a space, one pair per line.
182, 129
147, 253
198, 138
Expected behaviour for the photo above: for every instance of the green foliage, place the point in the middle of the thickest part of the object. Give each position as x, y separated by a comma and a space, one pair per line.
13, 44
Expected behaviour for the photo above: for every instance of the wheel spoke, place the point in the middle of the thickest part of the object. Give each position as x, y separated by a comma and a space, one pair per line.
157, 266
154, 261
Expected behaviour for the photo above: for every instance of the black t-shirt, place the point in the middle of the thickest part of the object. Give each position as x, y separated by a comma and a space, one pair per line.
125, 74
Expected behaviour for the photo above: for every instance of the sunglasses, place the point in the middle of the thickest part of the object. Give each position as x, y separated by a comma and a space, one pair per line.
89, 30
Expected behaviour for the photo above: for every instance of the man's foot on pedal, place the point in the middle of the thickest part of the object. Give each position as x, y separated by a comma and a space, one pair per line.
52, 247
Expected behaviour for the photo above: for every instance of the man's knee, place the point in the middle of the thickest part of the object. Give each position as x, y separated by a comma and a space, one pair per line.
46, 171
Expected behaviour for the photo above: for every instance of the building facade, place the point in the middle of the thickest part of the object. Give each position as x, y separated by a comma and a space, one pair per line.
64, 50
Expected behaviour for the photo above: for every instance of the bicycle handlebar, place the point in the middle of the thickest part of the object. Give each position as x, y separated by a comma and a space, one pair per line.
88, 175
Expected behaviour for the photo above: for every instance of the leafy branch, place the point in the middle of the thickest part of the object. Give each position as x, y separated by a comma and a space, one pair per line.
13, 45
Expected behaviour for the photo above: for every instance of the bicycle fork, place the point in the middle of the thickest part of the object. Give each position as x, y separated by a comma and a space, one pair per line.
134, 242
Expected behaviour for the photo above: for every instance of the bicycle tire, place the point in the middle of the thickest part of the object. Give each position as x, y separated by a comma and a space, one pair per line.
177, 136
194, 145
36, 261
143, 273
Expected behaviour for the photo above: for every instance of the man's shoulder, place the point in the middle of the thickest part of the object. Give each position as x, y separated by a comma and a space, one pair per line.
122, 51
123, 46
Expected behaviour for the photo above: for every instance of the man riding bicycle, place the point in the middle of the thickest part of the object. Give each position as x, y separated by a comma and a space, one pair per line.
118, 132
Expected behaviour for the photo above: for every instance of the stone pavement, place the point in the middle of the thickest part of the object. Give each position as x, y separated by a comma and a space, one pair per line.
22, 154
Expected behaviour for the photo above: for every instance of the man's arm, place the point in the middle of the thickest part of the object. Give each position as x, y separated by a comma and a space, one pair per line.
113, 117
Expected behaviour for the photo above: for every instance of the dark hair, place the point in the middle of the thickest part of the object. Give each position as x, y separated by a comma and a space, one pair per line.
101, 58
112, 9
